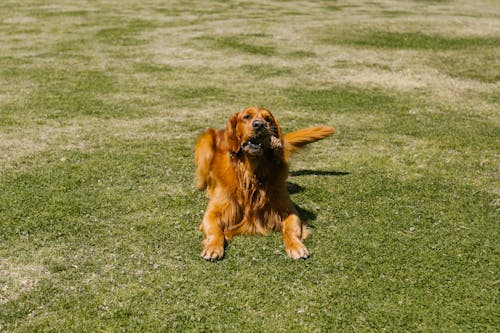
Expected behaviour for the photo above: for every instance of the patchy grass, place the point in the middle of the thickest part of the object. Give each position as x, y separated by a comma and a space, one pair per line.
125, 35
416, 40
262, 71
240, 44
100, 106
482, 65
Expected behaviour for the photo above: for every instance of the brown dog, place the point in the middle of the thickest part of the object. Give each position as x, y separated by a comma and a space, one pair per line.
244, 169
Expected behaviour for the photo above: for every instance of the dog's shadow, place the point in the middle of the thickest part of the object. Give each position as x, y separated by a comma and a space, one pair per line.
304, 214
308, 172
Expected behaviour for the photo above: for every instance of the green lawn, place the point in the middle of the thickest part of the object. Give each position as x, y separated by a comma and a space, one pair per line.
101, 103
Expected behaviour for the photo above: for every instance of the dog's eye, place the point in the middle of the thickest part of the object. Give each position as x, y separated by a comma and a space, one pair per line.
246, 117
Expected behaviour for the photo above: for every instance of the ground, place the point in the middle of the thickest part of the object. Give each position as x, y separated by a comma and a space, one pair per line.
100, 106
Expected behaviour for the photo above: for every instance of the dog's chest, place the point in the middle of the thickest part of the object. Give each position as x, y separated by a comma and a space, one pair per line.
254, 193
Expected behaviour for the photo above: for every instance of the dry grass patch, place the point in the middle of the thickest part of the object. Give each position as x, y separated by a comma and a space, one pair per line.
88, 134
16, 279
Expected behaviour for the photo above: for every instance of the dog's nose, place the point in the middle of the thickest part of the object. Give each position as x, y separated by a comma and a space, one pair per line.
258, 124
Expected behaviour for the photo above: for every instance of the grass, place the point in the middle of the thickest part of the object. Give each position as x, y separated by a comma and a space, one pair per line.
238, 44
417, 40
100, 106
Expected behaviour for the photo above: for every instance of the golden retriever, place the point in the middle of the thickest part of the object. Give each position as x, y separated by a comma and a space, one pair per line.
244, 168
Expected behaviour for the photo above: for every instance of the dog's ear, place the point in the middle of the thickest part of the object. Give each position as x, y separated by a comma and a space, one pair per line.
232, 141
203, 155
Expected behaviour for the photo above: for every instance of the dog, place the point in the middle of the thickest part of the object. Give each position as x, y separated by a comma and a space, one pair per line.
244, 169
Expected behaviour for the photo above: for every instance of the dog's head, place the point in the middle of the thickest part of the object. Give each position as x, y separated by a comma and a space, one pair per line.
253, 131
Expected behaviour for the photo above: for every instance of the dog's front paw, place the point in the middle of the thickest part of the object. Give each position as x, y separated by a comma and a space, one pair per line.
212, 252
297, 250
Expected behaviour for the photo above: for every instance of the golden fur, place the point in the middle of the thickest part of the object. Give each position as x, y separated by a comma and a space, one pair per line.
244, 168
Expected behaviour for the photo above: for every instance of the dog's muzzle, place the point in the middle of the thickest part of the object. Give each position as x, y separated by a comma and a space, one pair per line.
253, 147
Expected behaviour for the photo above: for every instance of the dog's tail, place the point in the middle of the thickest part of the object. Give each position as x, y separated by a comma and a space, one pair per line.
298, 139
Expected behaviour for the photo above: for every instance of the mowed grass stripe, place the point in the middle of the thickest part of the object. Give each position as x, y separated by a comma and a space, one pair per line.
417, 40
